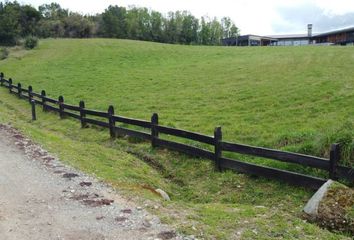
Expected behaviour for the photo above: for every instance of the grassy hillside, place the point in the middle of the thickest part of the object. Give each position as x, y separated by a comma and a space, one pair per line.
298, 99
207, 204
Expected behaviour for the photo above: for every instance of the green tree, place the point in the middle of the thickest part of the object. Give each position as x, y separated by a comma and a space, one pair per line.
50, 28
28, 21
53, 11
216, 32
139, 24
205, 32
229, 28
234, 31
114, 22
78, 26
170, 28
156, 22
190, 26
226, 25
10, 27
52, 22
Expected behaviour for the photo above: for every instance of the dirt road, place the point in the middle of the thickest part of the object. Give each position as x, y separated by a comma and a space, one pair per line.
40, 198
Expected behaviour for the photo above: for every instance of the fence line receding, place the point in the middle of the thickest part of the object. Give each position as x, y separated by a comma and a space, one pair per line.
151, 131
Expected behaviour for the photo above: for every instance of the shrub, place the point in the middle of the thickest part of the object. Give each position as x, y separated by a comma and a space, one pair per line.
342, 135
31, 42
3, 53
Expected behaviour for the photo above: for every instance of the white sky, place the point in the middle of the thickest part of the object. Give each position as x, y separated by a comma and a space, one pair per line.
251, 16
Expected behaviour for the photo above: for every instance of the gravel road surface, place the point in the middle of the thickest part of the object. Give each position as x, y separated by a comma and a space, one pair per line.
41, 198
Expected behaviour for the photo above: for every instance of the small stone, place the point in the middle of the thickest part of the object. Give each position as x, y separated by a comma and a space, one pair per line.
146, 223
163, 194
70, 175
139, 208
120, 219
87, 184
165, 235
260, 207
311, 207
128, 211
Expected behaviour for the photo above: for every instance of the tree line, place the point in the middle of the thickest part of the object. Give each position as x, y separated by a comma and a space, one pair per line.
52, 21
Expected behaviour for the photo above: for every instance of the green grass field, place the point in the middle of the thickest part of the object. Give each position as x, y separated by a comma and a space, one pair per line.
297, 98
291, 98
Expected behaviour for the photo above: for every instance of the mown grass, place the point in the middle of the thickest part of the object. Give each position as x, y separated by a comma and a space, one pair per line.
205, 203
290, 98
299, 99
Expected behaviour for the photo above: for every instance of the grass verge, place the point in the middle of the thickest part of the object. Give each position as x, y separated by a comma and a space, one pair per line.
205, 203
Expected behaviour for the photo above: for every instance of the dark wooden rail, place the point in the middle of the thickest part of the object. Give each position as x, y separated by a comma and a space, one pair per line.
95, 113
272, 173
156, 132
305, 160
186, 134
121, 131
132, 121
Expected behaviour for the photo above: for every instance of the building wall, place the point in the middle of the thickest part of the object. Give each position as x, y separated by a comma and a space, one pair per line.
292, 42
342, 38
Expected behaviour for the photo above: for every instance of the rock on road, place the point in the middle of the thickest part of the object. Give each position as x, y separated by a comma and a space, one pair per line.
40, 198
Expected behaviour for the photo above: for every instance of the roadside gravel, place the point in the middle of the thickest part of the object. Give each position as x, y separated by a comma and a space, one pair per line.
41, 198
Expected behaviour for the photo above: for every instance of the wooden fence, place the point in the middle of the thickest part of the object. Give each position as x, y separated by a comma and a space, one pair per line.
151, 130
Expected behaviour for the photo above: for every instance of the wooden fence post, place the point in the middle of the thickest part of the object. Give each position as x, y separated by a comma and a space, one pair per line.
33, 104
112, 123
82, 114
217, 147
334, 160
19, 90
10, 85
30, 90
2, 78
61, 107
43, 100
154, 131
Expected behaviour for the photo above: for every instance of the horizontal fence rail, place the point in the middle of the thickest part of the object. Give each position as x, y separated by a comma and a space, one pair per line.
184, 148
121, 131
71, 107
152, 131
132, 121
186, 134
272, 173
96, 122
289, 157
95, 113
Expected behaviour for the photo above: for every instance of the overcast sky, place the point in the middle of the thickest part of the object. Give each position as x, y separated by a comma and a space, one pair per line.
251, 16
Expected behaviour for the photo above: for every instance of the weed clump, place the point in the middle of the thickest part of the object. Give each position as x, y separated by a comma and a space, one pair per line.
336, 211
344, 137
31, 42
4, 53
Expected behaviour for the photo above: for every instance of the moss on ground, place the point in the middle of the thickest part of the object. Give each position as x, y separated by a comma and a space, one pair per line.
335, 211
